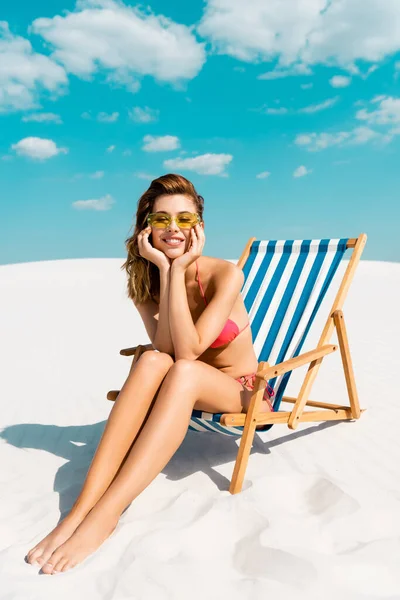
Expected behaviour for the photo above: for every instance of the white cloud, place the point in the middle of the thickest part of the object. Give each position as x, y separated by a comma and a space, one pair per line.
385, 116
97, 175
304, 139
320, 141
313, 108
340, 81
309, 32
362, 135
143, 115
43, 118
306, 86
388, 112
122, 78
80, 176
127, 152
317, 107
77, 177
25, 73
375, 99
127, 42
160, 143
277, 111
263, 175
372, 69
37, 148
107, 118
102, 116
111, 148
383, 112
104, 203
142, 175
204, 164
297, 69
301, 171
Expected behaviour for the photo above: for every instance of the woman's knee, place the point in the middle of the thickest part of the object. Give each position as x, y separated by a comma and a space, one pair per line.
185, 367
156, 360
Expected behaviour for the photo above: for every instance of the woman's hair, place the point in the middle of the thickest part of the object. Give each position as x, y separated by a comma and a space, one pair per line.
143, 275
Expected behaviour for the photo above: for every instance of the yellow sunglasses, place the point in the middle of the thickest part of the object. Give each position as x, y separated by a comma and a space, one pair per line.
184, 220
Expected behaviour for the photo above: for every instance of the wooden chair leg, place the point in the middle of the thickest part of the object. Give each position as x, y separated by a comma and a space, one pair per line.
302, 398
243, 455
347, 363
249, 429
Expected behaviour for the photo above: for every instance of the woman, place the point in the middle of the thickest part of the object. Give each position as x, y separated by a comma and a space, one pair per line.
195, 317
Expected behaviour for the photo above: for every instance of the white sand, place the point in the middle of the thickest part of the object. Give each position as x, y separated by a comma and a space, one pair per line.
320, 511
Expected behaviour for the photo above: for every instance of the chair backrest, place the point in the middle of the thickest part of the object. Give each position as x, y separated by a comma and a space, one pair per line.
285, 284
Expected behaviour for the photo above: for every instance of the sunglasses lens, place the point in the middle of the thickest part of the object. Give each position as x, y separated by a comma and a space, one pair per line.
184, 221
159, 221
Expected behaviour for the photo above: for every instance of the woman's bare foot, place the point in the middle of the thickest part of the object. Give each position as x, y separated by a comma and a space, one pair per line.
45, 548
97, 526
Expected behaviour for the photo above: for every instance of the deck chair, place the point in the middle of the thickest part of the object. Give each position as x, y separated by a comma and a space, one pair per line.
285, 284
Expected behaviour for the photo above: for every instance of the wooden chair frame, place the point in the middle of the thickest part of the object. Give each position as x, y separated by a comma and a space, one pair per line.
327, 412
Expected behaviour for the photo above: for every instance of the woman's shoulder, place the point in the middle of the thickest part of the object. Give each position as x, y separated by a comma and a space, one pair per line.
217, 269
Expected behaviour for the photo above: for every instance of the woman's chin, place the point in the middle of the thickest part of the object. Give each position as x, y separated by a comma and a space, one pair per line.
172, 251
175, 251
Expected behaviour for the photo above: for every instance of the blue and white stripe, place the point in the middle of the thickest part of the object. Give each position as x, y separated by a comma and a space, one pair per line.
285, 284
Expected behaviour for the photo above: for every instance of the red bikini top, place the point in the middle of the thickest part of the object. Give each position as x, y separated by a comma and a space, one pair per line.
230, 330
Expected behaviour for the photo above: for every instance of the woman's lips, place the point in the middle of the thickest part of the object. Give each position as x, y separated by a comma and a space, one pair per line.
172, 243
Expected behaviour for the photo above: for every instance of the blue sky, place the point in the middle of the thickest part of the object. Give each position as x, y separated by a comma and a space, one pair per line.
286, 117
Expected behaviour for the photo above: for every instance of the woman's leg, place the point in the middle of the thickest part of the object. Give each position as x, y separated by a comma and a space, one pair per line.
188, 384
124, 423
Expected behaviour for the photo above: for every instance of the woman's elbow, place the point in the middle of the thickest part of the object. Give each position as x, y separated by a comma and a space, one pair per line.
188, 355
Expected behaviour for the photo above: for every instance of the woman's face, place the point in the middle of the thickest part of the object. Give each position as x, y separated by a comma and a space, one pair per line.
172, 204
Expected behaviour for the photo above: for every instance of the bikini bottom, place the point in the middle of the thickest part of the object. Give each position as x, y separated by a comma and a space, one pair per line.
248, 382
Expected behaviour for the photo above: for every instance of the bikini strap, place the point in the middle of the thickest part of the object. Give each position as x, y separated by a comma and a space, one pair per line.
201, 287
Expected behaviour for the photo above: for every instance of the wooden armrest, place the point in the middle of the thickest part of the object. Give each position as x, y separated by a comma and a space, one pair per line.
131, 351
293, 363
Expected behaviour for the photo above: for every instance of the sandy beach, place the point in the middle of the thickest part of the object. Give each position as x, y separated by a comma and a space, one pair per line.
319, 514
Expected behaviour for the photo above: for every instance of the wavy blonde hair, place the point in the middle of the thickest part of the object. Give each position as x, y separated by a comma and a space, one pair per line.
143, 275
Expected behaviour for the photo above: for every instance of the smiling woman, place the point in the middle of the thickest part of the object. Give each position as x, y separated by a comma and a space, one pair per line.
153, 215
203, 358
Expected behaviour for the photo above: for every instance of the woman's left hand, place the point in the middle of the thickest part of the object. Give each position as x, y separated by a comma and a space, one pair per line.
194, 250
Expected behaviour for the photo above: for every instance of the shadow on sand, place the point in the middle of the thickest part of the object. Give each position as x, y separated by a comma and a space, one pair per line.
77, 444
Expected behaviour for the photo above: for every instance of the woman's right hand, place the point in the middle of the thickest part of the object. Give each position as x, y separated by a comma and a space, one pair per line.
148, 251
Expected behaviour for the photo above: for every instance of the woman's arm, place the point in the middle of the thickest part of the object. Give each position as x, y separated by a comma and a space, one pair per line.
189, 340
163, 340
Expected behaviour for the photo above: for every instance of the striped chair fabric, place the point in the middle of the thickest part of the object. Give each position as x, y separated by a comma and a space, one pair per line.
285, 284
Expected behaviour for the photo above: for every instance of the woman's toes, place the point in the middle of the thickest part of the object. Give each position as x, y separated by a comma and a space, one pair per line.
44, 557
34, 555
58, 568
47, 568
68, 565
29, 554
52, 561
